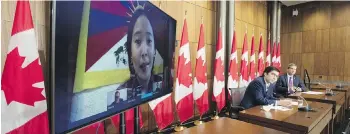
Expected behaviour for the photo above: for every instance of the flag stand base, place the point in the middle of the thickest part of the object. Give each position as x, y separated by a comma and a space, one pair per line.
179, 128
215, 117
198, 122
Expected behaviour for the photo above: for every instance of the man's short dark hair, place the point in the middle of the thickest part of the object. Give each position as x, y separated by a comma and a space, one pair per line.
116, 93
269, 69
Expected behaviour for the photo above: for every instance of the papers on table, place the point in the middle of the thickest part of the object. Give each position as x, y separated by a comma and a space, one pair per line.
269, 107
312, 92
294, 103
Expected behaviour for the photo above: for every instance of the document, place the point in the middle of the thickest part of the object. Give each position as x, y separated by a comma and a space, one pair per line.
312, 92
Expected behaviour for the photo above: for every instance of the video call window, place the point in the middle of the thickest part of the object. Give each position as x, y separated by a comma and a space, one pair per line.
111, 58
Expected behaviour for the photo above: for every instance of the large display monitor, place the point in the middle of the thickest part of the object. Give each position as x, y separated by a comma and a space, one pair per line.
107, 57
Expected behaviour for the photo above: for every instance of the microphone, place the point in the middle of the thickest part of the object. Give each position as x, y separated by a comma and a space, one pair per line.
304, 108
329, 91
339, 85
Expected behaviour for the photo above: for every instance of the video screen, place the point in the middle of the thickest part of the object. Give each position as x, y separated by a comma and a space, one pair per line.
108, 56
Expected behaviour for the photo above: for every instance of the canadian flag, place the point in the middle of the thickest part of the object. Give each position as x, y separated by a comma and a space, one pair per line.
163, 111
219, 77
233, 72
243, 79
278, 56
129, 120
200, 91
183, 89
252, 71
274, 55
261, 57
268, 53
96, 128
23, 101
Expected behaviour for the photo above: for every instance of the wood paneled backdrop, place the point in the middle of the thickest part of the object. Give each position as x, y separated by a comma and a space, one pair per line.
318, 39
252, 14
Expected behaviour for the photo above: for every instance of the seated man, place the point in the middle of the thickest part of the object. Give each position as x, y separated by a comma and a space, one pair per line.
116, 101
289, 82
260, 90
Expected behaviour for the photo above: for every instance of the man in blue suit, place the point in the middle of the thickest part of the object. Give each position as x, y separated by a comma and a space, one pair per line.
289, 82
260, 90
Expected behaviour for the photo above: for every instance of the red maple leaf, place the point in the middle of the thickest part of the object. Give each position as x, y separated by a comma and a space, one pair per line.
17, 82
244, 69
233, 70
219, 70
184, 72
201, 70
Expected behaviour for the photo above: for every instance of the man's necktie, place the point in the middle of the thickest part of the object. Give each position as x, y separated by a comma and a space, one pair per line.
290, 84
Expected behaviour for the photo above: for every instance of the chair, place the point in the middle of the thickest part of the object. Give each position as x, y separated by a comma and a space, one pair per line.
236, 98
307, 79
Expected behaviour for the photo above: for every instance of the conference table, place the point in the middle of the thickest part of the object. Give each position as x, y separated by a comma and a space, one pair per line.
337, 100
345, 89
225, 125
293, 120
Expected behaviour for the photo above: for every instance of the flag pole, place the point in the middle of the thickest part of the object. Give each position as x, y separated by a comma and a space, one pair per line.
122, 126
216, 114
179, 127
199, 121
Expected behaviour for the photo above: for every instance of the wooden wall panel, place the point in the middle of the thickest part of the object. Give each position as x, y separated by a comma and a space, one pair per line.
296, 23
321, 77
309, 41
347, 39
239, 33
321, 64
5, 35
285, 43
238, 10
296, 59
338, 13
347, 64
347, 79
337, 38
250, 11
309, 19
244, 9
335, 78
325, 33
190, 18
286, 20
322, 40
308, 62
296, 41
284, 61
212, 5
323, 16
175, 11
336, 63
211, 27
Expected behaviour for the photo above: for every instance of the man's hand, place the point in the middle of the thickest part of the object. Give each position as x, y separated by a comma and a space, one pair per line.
298, 89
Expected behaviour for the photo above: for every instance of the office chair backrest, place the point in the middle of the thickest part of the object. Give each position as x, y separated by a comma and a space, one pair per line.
307, 79
237, 95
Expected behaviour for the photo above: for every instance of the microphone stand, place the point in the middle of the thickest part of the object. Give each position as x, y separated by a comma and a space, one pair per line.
329, 91
304, 108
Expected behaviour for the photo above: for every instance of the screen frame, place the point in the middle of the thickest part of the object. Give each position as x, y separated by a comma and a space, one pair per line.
168, 60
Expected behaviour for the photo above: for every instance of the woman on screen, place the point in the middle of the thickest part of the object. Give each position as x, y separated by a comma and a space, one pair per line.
141, 51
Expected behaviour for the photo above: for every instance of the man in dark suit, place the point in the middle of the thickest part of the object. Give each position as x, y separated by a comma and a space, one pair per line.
260, 90
289, 82
116, 101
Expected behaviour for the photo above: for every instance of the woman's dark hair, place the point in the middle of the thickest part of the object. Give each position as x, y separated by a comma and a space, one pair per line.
137, 13
269, 69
